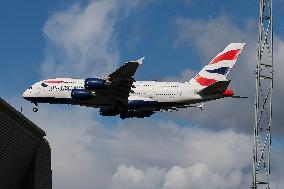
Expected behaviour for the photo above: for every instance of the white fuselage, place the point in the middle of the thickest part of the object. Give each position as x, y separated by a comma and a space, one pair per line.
59, 91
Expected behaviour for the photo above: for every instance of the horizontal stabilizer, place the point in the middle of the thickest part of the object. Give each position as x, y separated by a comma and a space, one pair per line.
216, 88
239, 97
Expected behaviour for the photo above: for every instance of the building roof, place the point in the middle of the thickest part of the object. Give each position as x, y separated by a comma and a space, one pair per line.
21, 119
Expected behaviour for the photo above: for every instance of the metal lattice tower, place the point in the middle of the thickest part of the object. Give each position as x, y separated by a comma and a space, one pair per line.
263, 99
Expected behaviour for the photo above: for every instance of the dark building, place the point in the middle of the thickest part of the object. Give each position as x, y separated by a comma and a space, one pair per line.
25, 160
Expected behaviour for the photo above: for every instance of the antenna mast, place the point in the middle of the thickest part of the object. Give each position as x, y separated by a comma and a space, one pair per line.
263, 99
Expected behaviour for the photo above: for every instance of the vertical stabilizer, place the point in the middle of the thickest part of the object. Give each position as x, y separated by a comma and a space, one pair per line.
219, 67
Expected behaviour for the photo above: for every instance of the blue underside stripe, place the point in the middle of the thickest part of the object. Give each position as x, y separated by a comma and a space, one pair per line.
131, 103
139, 103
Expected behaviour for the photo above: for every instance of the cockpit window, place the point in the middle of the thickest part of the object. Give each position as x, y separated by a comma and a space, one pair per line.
31, 88
44, 85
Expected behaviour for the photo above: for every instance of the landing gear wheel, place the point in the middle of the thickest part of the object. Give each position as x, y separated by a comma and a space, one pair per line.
35, 109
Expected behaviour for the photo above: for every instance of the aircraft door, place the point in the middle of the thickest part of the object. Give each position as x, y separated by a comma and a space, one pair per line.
37, 90
151, 92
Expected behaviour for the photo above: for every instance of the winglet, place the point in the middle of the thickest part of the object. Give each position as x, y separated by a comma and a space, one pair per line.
140, 61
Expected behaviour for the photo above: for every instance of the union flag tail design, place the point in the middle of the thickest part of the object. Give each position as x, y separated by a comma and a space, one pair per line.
219, 67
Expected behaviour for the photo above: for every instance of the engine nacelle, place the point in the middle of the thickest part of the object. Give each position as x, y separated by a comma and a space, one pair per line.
81, 94
108, 111
95, 83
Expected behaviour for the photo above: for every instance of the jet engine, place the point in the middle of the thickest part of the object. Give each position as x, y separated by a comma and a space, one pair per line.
81, 94
108, 111
95, 83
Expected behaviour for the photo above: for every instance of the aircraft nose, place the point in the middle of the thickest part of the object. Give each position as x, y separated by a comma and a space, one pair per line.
26, 94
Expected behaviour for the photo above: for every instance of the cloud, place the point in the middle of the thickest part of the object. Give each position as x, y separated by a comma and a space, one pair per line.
184, 76
139, 154
131, 177
81, 40
199, 176
128, 174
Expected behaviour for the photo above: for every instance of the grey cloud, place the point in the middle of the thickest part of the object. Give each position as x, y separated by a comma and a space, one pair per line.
136, 154
210, 37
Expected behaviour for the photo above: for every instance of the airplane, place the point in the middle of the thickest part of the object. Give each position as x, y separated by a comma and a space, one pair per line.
118, 94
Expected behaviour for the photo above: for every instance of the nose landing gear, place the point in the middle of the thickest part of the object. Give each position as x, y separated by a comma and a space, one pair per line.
35, 109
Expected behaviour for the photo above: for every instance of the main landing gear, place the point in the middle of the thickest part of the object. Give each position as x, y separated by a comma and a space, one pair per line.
35, 109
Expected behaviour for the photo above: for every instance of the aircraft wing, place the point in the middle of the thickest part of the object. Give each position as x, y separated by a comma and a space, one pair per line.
119, 83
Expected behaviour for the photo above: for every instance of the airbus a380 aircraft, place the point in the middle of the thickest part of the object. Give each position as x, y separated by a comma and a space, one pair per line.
120, 94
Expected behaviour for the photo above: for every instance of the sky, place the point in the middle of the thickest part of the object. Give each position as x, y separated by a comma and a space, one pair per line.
178, 150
